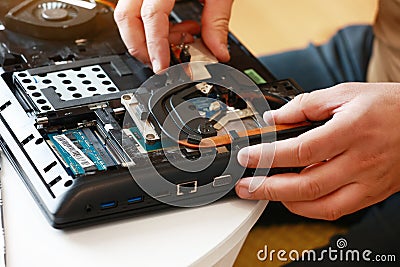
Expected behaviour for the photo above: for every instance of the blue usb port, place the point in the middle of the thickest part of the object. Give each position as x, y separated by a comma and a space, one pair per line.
133, 200
107, 205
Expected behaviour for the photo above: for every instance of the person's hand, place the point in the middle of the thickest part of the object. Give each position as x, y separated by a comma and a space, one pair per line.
147, 33
353, 160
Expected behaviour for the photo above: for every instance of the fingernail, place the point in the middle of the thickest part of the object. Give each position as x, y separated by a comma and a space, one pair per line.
156, 65
268, 118
243, 156
244, 188
244, 193
255, 183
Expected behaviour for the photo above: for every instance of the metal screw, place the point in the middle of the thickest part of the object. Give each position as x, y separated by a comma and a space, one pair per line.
126, 97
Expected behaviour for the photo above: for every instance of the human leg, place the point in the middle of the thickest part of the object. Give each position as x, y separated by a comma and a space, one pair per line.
342, 59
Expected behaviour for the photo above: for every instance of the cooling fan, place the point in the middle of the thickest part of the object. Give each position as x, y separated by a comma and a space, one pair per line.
55, 11
52, 20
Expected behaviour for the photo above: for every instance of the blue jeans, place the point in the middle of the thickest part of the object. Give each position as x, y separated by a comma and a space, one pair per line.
343, 59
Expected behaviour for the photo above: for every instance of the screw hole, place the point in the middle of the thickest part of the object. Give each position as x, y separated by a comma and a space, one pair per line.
39, 141
68, 183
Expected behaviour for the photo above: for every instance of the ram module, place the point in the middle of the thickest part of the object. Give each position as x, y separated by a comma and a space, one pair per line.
77, 151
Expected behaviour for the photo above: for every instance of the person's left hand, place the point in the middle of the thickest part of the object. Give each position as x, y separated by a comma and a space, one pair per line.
353, 160
147, 33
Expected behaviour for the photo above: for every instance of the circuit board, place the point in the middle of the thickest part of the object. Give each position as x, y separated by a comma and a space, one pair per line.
78, 152
142, 142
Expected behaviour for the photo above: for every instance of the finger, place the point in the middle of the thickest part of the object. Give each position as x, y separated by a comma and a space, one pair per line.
316, 106
314, 146
187, 26
183, 32
312, 183
215, 27
127, 17
346, 200
179, 38
155, 16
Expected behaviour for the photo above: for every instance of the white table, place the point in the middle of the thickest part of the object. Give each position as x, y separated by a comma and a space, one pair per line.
206, 236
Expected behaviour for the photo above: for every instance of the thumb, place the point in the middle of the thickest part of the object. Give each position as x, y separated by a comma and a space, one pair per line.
215, 27
315, 106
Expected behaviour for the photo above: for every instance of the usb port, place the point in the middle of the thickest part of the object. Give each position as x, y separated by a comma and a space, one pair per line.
186, 188
108, 205
222, 180
133, 200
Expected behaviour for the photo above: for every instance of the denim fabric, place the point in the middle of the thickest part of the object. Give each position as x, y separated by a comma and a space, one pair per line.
343, 59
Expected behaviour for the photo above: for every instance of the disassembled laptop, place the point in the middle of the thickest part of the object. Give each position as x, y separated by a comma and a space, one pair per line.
95, 136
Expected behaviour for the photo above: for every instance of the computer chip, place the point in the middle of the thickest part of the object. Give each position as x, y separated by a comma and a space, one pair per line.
77, 152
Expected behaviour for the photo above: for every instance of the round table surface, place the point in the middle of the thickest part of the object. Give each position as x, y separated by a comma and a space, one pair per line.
177, 237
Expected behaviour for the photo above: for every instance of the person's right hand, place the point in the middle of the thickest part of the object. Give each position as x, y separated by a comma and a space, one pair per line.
353, 160
146, 31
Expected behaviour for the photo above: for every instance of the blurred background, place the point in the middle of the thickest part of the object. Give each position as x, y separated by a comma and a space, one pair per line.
270, 26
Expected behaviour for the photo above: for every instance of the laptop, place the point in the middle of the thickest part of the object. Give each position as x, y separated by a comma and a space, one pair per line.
95, 135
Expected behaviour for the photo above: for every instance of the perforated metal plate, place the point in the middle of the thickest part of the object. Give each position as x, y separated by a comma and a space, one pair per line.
68, 84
